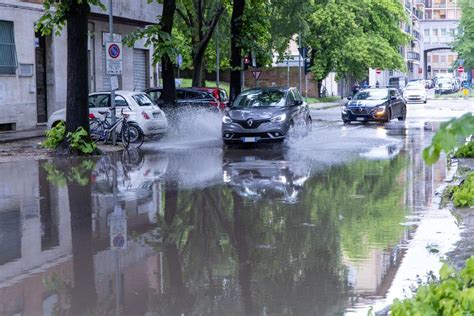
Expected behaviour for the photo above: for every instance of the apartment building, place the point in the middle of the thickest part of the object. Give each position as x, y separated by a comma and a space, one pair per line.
33, 71
439, 26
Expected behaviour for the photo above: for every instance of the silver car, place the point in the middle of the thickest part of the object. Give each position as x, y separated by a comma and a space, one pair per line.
265, 115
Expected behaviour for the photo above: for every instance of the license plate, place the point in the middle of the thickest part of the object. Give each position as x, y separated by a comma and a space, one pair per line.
249, 139
360, 119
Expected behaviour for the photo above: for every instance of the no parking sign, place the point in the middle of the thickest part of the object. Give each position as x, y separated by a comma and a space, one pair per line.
113, 58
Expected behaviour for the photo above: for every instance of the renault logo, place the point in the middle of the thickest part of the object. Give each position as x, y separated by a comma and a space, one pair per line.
249, 122
361, 110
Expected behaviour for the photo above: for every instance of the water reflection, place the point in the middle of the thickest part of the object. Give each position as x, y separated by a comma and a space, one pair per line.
206, 232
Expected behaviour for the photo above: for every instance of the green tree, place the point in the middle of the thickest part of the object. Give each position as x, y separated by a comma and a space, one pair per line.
464, 43
74, 14
349, 37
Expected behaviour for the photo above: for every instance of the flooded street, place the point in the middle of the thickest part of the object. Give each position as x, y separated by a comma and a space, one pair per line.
340, 221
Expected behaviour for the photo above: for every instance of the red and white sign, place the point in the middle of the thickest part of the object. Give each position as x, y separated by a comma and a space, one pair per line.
256, 74
378, 71
461, 69
113, 58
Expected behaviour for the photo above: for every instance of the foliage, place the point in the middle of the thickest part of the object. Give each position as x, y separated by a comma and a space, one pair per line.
81, 142
373, 41
452, 294
77, 174
465, 151
464, 43
448, 136
55, 136
463, 195
56, 12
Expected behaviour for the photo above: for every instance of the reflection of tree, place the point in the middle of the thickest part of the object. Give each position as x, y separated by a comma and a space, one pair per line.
228, 255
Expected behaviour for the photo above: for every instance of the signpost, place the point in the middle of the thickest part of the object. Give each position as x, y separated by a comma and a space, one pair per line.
378, 71
113, 63
256, 74
461, 69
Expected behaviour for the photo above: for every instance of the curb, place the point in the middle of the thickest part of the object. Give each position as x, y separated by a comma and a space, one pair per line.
20, 138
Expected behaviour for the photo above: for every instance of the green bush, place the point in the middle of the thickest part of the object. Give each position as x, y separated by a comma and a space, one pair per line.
79, 141
463, 195
55, 136
452, 294
465, 151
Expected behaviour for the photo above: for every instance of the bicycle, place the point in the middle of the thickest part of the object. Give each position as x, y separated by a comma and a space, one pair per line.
101, 130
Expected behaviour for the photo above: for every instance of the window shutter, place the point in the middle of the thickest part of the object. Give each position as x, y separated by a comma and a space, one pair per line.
8, 61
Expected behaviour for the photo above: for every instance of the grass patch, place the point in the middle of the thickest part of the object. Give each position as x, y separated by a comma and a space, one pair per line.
463, 195
458, 94
323, 100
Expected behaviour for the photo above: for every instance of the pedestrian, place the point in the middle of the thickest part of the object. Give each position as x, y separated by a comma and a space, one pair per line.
355, 88
377, 84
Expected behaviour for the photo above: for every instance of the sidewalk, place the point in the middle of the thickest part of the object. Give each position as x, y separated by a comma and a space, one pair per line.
325, 106
6, 137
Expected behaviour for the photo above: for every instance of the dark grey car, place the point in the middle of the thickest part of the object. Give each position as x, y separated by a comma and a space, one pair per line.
265, 115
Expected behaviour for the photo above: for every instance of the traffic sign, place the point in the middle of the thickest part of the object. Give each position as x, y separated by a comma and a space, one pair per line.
461, 69
256, 74
378, 71
113, 58
303, 51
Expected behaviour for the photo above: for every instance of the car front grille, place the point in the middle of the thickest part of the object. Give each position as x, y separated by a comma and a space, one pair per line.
360, 111
251, 124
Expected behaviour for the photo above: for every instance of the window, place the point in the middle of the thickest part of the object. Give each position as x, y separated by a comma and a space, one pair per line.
435, 59
443, 32
435, 32
8, 61
99, 101
427, 32
443, 58
143, 100
120, 101
428, 59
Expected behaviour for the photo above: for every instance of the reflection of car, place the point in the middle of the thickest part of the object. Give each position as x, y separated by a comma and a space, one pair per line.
375, 105
415, 93
186, 97
265, 115
268, 176
141, 109
219, 94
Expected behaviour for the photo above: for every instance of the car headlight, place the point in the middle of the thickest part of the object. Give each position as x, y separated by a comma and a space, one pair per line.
278, 118
344, 109
226, 119
380, 109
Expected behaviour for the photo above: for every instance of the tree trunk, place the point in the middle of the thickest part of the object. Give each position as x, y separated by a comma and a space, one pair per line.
77, 110
166, 23
318, 88
235, 48
198, 67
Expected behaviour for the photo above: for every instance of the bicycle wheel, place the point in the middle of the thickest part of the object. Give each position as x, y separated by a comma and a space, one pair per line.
132, 135
97, 131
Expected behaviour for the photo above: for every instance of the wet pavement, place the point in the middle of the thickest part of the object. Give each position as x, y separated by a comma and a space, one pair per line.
338, 222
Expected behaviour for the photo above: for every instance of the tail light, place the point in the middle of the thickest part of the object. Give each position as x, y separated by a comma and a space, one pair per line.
214, 103
145, 115
91, 116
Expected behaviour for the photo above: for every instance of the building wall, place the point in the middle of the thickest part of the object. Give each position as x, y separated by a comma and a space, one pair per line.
18, 94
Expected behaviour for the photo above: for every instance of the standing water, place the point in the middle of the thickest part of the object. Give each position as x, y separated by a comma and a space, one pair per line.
319, 226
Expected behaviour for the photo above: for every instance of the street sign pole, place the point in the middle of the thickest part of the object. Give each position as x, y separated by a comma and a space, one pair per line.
299, 61
112, 92
217, 57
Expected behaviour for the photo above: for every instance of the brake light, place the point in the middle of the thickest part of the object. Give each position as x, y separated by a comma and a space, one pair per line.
91, 116
214, 103
145, 115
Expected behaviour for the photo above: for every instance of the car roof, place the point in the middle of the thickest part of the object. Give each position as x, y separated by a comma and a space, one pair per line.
119, 92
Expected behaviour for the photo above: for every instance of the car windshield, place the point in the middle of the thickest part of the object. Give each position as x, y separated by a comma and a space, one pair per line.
143, 100
260, 98
380, 94
414, 87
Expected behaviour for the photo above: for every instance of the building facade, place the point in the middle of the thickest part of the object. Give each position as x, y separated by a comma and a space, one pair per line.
33, 68
440, 26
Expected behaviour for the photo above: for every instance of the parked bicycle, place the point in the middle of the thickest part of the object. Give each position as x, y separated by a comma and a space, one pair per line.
103, 129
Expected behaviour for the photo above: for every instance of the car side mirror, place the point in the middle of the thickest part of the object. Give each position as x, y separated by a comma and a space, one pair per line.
393, 97
298, 102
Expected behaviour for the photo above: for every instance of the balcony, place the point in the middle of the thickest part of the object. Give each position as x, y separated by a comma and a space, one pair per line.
416, 35
413, 56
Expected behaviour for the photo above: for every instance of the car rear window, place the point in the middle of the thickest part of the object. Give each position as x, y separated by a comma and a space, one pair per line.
143, 100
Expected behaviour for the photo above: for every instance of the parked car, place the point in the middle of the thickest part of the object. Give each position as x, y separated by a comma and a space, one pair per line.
141, 109
186, 97
398, 82
375, 105
265, 115
429, 84
219, 94
415, 93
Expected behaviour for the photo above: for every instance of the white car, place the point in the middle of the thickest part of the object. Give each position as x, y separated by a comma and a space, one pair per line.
415, 93
141, 109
